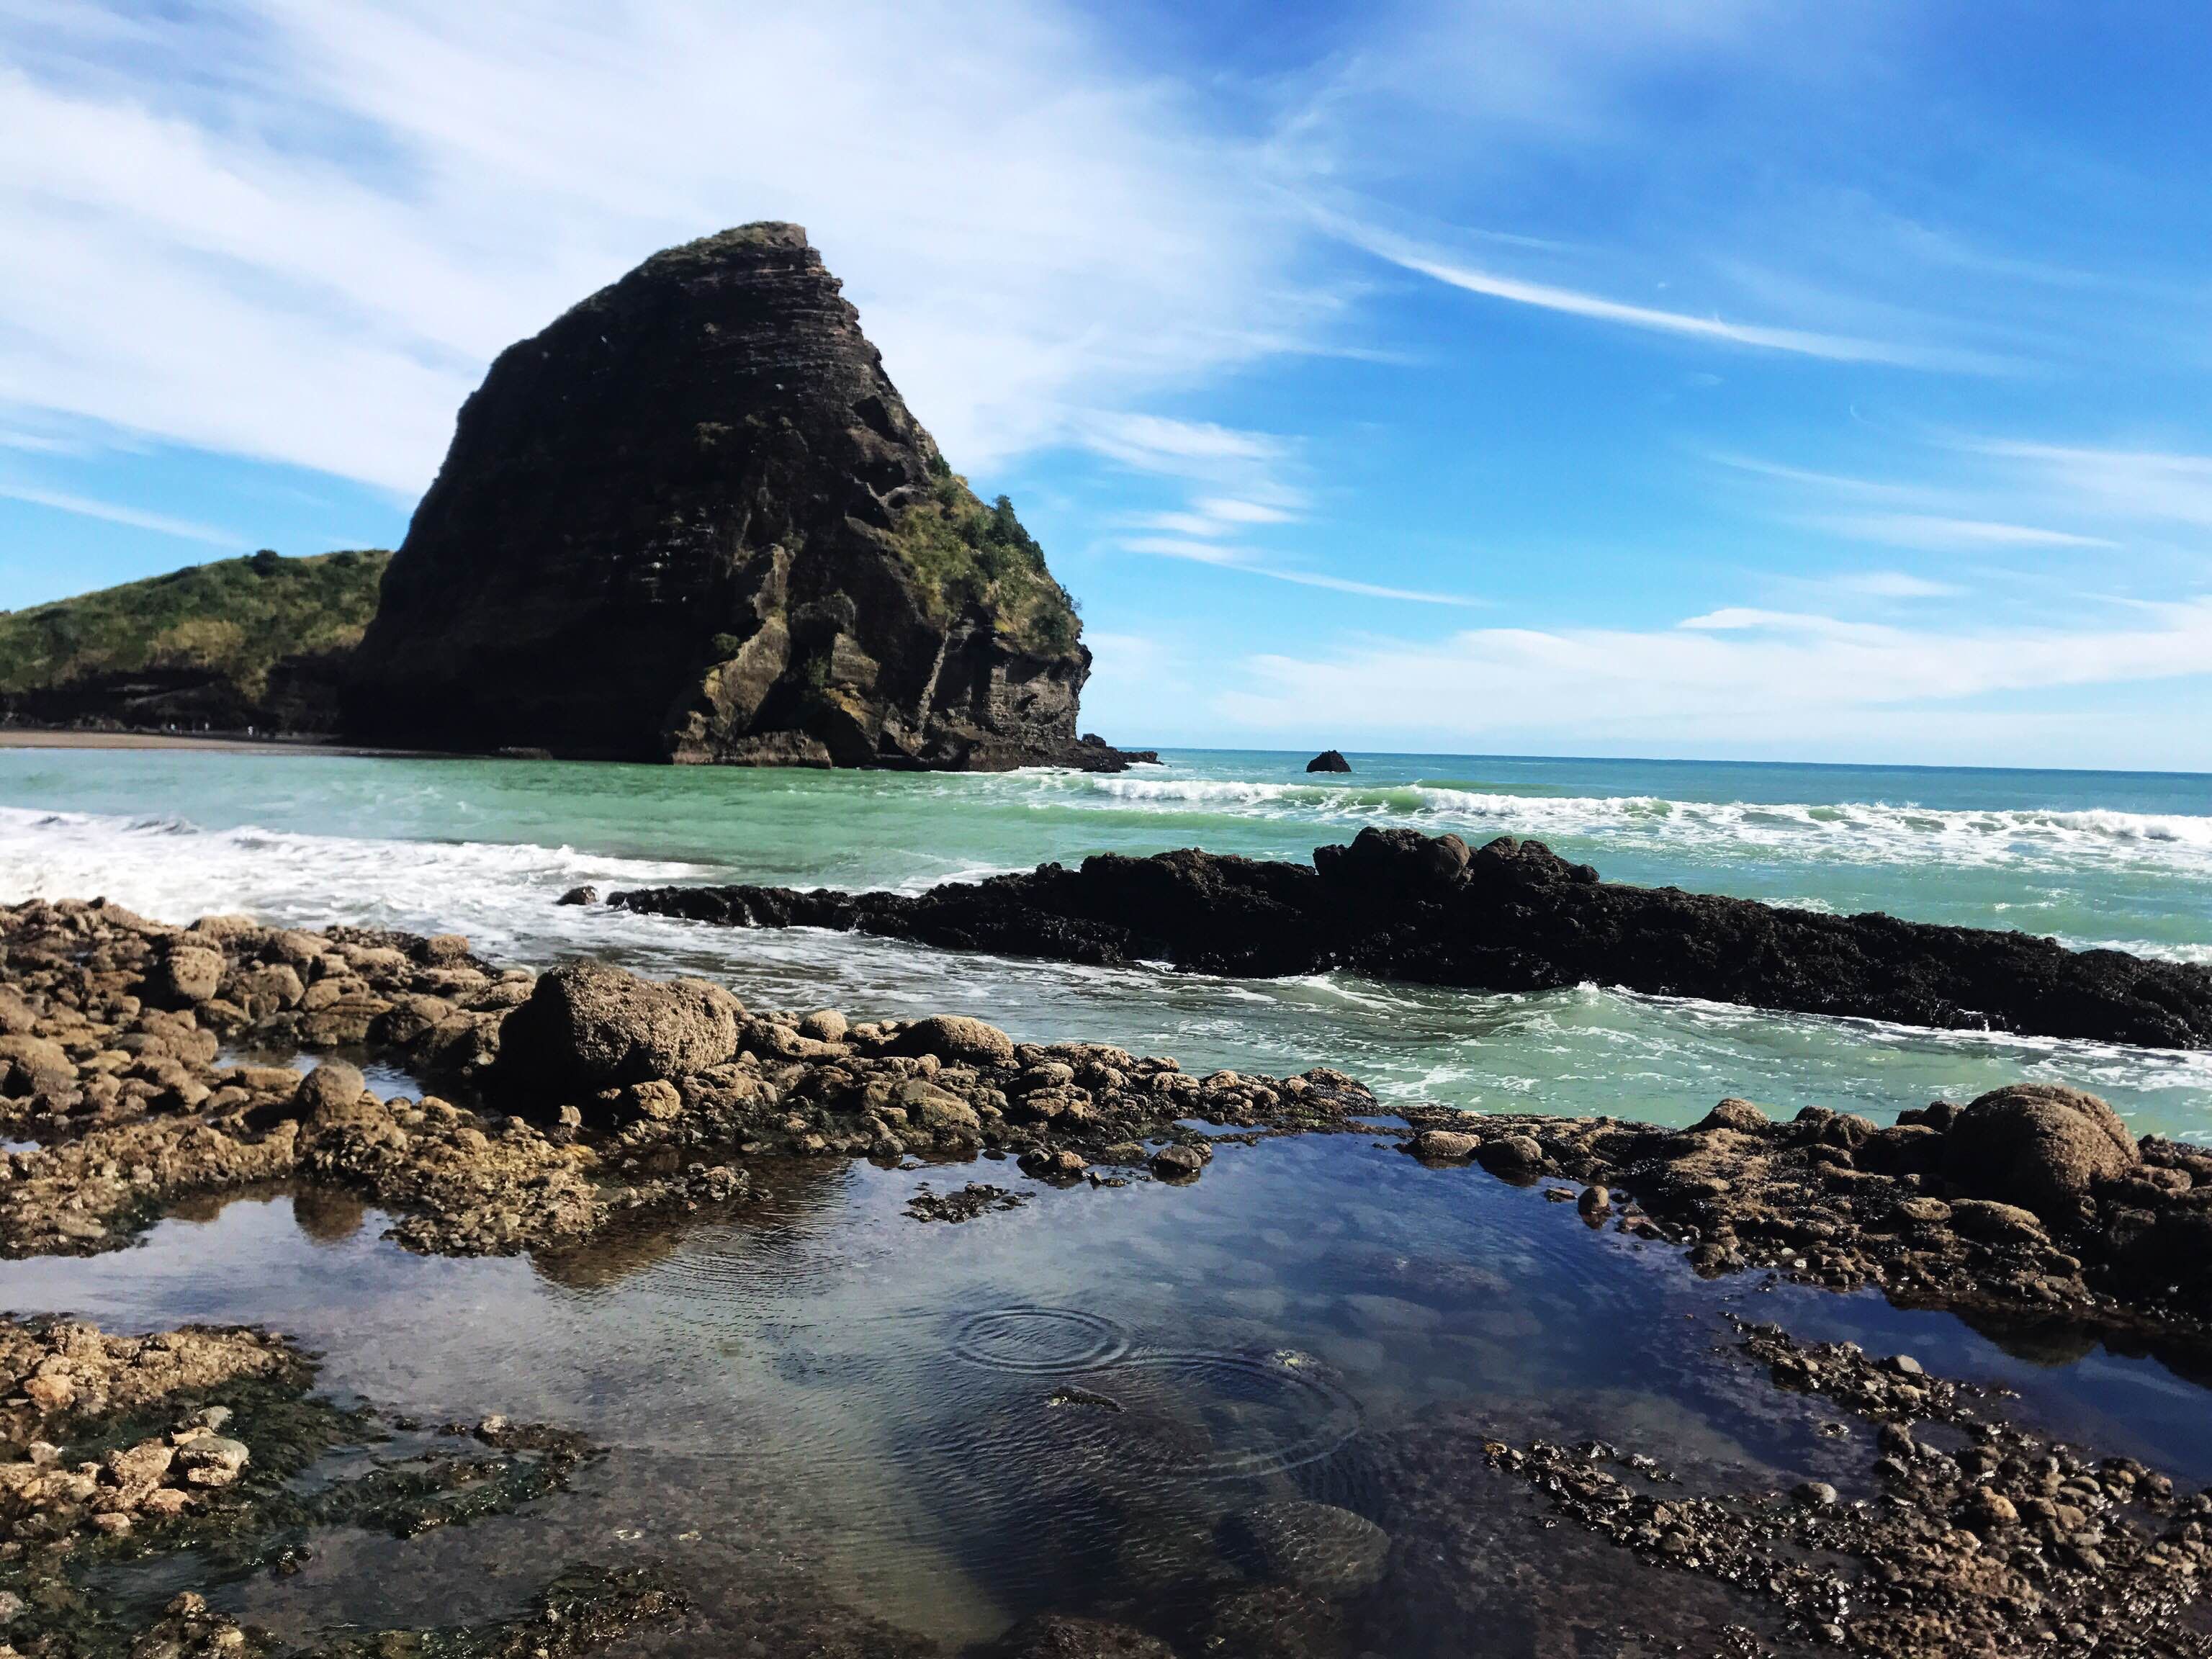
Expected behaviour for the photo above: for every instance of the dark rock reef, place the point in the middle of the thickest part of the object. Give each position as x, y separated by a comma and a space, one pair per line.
693, 520
1328, 760
1509, 916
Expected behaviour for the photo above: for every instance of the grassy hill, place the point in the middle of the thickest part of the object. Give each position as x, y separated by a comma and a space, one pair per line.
254, 642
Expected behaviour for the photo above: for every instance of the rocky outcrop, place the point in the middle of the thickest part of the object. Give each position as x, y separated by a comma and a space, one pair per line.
1328, 761
693, 520
1513, 916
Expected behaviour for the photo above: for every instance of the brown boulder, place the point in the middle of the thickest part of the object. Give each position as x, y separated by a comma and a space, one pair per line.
588, 1027
956, 1037
189, 974
329, 1093
2036, 1145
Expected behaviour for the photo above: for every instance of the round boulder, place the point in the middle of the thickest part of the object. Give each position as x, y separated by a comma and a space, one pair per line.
329, 1094
588, 1027
1315, 1548
1733, 1113
2037, 1144
956, 1037
187, 975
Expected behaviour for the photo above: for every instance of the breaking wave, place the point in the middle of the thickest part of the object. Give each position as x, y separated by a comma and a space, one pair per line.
1872, 832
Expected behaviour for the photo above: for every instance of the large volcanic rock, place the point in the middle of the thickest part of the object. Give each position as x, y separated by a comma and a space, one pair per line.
693, 520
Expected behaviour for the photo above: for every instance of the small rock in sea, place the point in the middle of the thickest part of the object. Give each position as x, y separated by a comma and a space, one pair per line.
213, 1461
1905, 1365
1328, 761
1594, 1200
584, 895
1053, 1162
1516, 1158
1815, 1495
1178, 1162
1444, 1145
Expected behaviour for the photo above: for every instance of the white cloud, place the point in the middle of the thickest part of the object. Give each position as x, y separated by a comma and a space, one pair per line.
2134, 483
86, 506
1891, 585
1429, 262
1938, 533
1734, 678
1226, 557
1155, 443
306, 250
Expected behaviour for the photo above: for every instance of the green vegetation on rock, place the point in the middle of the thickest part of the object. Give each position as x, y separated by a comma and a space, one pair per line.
964, 553
233, 620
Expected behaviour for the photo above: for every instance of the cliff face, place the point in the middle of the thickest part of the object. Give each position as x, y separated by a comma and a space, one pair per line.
693, 520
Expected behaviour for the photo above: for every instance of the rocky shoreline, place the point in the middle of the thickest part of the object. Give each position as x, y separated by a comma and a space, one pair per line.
585, 1094
1511, 915
578, 1096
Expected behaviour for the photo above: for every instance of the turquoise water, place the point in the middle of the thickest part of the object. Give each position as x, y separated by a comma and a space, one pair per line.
483, 846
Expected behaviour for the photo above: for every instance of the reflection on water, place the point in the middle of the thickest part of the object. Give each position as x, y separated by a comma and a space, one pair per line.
823, 1412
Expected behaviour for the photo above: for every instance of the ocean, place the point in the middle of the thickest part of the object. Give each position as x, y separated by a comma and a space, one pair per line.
485, 848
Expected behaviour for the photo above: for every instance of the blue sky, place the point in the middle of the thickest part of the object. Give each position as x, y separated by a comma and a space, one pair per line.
1707, 378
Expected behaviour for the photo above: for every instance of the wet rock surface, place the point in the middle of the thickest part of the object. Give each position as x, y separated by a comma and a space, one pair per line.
577, 1097
1509, 916
583, 1097
2008, 1544
189, 1448
1988, 1209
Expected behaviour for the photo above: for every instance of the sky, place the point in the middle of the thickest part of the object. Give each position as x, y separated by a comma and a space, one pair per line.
1665, 377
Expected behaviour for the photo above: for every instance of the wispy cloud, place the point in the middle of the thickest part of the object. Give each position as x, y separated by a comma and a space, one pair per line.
1155, 443
188, 254
1574, 303
1937, 533
1889, 584
2140, 484
85, 507
1241, 559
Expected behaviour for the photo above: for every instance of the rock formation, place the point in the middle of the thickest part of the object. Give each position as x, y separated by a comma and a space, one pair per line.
693, 520
1328, 760
1513, 916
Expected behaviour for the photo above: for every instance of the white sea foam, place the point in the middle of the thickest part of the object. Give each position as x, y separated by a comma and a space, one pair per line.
1859, 831
173, 869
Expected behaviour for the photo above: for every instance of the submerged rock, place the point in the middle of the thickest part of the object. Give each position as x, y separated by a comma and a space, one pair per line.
693, 520
1315, 1548
1059, 1636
